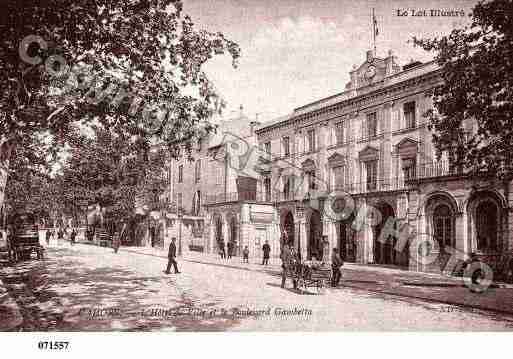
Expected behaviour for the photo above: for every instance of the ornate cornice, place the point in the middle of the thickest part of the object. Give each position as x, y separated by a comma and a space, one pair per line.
376, 97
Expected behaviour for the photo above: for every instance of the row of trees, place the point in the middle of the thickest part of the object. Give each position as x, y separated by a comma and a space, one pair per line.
89, 87
94, 84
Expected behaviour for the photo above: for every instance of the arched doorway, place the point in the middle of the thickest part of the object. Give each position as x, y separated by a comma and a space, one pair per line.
486, 227
345, 240
443, 226
288, 225
314, 249
384, 251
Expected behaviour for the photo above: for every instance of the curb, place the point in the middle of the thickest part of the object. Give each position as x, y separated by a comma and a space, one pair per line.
387, 292
9, 311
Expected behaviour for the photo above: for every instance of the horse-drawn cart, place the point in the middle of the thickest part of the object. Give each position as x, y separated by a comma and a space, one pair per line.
310, 274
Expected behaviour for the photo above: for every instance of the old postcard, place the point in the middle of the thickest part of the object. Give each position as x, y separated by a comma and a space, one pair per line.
261, 166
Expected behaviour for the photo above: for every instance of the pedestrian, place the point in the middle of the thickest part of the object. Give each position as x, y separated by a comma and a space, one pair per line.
171, 256
266, 248
230, 249
245, 255
336, 263
60, 235
116, 242
47, 236
288, 263
73, 236
222, 251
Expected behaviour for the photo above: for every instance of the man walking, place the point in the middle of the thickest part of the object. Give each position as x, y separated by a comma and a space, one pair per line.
60, 236
266, 248
171, 255
47, 236
230, 249
336, 263
222, 251
73, 236
288, 263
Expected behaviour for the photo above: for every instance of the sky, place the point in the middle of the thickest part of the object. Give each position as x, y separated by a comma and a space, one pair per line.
297, 51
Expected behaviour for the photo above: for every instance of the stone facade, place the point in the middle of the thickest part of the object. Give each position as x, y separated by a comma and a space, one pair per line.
338, 172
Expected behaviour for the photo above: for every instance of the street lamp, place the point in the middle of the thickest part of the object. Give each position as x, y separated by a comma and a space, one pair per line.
300, 212
180, 219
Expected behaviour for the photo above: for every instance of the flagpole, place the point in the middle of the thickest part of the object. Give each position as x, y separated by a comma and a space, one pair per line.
374, 31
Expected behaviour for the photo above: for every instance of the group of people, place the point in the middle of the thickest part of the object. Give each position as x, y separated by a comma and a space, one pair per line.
291, 259
61, 233
226, 250
266, 251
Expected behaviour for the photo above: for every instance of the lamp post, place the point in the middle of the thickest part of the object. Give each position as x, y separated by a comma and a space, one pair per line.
180, 219
300, 212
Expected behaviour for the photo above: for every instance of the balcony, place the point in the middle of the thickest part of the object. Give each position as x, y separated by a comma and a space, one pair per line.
437, 169
410, 128
367, 138
237, 197
379, 185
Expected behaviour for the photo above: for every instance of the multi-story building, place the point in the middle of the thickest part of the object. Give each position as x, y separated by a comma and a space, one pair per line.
370, 147
217, 197
336, 172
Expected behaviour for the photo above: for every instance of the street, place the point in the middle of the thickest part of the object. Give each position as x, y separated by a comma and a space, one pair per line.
89, 288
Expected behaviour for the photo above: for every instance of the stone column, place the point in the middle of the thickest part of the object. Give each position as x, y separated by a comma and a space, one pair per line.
461, 236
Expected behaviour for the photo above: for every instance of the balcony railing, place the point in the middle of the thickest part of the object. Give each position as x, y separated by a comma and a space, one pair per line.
371, 137
437, 169
249, 196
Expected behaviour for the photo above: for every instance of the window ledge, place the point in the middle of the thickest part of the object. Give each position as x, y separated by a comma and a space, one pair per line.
408, 129
371, 138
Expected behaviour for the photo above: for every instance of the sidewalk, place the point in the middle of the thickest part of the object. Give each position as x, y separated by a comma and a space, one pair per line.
376, 279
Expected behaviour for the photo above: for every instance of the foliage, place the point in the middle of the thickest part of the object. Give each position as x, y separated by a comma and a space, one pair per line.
473, 116
134, 66
112, 170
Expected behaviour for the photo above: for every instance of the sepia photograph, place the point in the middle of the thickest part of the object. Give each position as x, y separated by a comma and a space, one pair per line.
257, 166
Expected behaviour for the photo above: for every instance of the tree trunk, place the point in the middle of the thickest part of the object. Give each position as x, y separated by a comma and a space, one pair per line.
6, 148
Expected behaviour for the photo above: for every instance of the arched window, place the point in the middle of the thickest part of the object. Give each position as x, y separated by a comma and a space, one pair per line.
486, 225
443, 225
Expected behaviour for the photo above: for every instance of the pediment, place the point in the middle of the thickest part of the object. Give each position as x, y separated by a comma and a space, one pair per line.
368, 153
407, 147
336, 159
309, 164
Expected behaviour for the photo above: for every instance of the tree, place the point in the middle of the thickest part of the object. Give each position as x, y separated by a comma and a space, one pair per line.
473, 116
135, 67
112, 170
